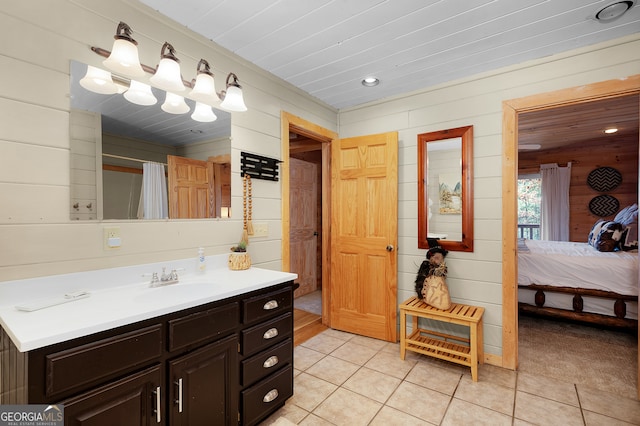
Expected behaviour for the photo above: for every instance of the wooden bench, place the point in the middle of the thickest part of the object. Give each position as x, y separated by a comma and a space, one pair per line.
439, 345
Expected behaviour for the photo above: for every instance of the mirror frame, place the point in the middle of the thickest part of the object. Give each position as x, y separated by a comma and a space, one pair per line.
466, 134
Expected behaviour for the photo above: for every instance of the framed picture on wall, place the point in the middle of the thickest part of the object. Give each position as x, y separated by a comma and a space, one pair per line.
450, 188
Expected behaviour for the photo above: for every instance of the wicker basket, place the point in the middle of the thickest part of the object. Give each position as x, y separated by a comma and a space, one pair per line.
239, 261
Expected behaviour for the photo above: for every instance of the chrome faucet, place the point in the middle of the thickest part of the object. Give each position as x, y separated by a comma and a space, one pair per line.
164, 279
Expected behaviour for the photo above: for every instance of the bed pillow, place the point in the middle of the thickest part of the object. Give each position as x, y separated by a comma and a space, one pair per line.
628, 215
606, 235
629, 240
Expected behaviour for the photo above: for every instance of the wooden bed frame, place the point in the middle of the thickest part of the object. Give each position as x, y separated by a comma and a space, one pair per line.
618, 320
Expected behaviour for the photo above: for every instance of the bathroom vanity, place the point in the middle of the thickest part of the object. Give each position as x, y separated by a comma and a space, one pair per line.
212, 349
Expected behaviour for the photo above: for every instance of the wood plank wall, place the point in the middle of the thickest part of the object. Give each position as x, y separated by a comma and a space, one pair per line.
620, 153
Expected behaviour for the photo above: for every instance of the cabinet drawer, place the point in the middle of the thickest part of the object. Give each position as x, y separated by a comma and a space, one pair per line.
264, 397
266, 362
203, 326
265, 334
89, 364
267, 305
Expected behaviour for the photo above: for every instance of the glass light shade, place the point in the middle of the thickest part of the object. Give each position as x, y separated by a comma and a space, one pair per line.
233, 100
203, 113
175, 104
124, 59
140, 94
205, 90
98, 81
167, 76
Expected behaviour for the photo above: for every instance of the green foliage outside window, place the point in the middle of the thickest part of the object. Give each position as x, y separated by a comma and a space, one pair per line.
529, 193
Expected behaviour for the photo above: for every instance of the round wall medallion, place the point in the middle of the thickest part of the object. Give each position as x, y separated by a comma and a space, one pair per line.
604, 205
604, 179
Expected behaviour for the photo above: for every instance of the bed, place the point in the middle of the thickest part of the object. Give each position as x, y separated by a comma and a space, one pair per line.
571, 280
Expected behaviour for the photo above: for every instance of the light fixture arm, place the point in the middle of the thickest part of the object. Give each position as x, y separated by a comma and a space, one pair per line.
204, 68
168, 52
123, 32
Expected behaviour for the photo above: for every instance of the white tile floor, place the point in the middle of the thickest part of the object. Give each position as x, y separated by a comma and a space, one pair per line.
344, 379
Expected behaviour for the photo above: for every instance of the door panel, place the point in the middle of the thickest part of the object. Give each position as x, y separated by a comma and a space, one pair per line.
303, 216
364, 228
188, 181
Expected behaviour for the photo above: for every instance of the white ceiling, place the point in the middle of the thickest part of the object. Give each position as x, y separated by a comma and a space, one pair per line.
326, 47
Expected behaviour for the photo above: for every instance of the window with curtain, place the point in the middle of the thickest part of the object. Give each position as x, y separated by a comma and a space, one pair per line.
554, 205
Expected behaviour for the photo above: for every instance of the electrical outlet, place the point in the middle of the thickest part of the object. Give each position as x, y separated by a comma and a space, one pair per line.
112, 238
260, 229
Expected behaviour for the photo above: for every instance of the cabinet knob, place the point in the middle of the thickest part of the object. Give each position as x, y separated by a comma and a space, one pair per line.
271, 304
270, 396
270, 333
271, 361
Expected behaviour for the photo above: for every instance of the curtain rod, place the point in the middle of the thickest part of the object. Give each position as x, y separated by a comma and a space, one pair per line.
120, 157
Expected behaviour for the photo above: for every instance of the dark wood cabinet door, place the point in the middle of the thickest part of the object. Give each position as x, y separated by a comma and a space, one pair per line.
203, 389
127, 402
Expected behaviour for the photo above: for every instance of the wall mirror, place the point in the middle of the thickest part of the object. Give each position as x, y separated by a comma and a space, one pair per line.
111, 139
445, 188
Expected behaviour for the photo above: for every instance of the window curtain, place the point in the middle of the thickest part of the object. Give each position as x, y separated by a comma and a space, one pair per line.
554, 203
153, 196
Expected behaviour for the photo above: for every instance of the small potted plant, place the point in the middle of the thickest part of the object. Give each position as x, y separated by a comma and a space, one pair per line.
239, 258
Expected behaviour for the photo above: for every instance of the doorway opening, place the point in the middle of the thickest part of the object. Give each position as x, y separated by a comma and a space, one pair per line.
511, 110
306, 196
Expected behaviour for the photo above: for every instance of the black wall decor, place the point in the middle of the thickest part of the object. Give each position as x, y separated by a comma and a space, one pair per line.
259, 167
604, 205
604, 179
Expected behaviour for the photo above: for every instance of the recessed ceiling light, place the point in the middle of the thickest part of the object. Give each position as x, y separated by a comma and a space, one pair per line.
613, 10
370, 81
610, 130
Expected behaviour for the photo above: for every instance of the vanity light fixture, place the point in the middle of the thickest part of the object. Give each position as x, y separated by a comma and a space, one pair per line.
232, 99
167, 74
203, 113
140, 94
124, 54
98, 81
174, 104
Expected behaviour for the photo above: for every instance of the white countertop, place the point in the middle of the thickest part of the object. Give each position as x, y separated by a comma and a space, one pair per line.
118, 296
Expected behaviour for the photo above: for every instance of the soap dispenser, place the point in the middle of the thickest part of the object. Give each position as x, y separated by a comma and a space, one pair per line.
202, 262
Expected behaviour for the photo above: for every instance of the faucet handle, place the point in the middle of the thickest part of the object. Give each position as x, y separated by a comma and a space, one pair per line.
154, 277
174, 275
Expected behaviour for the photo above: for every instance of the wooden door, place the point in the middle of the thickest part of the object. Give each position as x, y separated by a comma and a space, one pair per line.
364, 233
203, 388
188, 182
303, 230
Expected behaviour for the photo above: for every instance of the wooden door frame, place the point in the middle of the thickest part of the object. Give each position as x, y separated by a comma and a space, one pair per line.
290, 122
510, 111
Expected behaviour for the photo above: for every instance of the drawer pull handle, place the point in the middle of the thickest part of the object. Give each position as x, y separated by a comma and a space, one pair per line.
270, 333
271, 361
270, 396
158, 402
271, 304
179, 400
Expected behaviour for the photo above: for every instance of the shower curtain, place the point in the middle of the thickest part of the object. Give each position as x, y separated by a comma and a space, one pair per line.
153, 196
